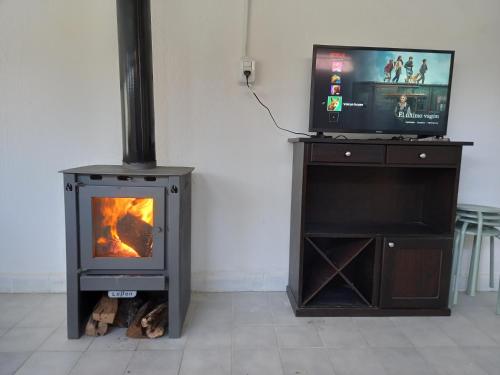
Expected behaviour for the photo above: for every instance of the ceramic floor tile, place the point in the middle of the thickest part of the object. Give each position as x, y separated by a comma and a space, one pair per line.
427, 335
49, 363
383, 334
451, 361
284, 317
252, 315
208, 315
309, 361
403, 361
102, 363
249, 300
341, 336
206, 362
486, 358
256, 362
24, 339
11, 315
59, 342
208, 337
114, 340
155, 363
10, 362
50, 317
298, 337
3, 330
256, 337
488, 299
215, 300
463, 331
278, 300
356, 362
163, 343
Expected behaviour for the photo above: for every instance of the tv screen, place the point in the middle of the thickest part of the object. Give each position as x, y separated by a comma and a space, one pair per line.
380, 90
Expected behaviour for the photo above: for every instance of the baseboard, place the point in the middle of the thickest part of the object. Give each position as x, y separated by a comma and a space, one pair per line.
232, 281
32, 283
224, 281
201, 282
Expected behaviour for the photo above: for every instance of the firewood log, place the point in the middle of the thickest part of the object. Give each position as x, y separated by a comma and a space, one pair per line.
105, 310
135, 330
155, 321
136, 233
95, 328
153, 315
127, 309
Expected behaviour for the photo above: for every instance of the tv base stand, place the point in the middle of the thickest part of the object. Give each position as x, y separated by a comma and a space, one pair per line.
372, 226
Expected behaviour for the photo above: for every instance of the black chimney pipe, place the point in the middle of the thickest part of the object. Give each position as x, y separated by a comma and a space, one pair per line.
136, 83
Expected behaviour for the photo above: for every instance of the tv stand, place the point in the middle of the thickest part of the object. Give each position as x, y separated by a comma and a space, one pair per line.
372, 225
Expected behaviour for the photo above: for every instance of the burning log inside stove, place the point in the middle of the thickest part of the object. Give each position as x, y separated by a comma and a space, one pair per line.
136, 233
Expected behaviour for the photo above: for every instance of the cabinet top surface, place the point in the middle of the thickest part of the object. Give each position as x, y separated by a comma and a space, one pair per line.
120, 170
379, 142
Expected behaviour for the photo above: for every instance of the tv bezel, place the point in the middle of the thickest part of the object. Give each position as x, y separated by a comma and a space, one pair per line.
368, 131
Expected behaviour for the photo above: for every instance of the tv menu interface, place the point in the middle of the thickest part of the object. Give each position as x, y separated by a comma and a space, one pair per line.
375, 90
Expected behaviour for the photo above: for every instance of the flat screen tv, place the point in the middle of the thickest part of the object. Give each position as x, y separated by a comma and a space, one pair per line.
380, 90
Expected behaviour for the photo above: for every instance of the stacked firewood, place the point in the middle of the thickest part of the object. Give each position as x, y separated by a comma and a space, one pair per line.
141, 318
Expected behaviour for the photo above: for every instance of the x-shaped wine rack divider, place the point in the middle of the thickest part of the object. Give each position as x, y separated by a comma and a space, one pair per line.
338, 270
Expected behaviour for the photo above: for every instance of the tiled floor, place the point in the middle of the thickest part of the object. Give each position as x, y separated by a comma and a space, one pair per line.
255, 333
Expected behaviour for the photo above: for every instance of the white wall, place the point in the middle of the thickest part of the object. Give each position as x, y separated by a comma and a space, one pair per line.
59, 108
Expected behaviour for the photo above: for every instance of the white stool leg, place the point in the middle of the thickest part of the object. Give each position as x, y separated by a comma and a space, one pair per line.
471, 264
460, 245
492, 261
454, 268
476, 255
498, 299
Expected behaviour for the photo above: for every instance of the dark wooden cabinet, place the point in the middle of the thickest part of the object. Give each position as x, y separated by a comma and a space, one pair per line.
372, 226
415, 272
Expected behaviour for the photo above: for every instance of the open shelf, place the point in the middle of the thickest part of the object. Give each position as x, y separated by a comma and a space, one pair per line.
378, 201
331, 271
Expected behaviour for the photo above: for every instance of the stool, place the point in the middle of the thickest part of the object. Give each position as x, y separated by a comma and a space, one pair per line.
479, 221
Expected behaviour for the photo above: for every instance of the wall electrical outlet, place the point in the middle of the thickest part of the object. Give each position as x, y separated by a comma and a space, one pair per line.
247, 64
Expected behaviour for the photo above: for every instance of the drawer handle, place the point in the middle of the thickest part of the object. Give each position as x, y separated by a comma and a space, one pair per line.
348, 153
391, 244
423, 155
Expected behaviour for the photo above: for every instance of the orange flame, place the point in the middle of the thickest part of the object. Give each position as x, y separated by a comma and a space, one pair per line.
106, 213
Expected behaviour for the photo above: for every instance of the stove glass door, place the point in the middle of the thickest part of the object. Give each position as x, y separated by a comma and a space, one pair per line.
122, 227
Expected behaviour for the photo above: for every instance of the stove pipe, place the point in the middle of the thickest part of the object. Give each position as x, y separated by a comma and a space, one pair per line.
136, 83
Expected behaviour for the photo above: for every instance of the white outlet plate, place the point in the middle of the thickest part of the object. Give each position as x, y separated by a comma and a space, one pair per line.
247, 63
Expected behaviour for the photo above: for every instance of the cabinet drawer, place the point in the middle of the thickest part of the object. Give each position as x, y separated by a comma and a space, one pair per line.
423, 155
348, 153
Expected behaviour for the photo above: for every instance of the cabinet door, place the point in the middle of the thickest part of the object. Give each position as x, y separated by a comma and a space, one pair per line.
415, 273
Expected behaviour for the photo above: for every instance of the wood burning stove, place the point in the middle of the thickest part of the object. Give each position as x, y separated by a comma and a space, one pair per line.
128, 227
127, 230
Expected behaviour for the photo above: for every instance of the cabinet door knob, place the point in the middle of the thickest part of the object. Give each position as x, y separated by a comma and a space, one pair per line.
347, 153
423, 155
390, 244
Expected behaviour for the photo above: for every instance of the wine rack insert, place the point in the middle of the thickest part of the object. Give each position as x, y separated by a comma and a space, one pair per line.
338, 272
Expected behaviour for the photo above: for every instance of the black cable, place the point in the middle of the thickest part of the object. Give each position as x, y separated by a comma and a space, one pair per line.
270, 113
341, 136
